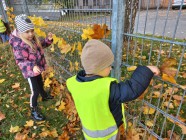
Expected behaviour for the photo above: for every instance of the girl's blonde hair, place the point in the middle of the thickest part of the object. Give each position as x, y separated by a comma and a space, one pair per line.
35, 38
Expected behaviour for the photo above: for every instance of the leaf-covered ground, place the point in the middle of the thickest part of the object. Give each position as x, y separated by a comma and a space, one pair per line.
15, 121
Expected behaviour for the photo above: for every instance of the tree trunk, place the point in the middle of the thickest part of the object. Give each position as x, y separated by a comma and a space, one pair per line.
130, 15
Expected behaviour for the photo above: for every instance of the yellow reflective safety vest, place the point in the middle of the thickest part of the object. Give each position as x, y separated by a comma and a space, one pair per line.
92, 104
2, 27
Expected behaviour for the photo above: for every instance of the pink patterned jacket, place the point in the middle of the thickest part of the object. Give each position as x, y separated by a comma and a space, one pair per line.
25, 57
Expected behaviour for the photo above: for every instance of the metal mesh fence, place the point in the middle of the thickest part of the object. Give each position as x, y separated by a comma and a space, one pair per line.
158, 34
151, 35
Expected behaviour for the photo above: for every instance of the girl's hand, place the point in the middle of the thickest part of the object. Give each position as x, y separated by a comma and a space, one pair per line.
50, 36
36, 69
154, 69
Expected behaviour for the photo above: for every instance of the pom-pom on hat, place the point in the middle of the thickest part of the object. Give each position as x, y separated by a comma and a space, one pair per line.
96, 56
23, 23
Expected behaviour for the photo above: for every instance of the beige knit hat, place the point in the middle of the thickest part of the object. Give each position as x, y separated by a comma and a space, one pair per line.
96, 56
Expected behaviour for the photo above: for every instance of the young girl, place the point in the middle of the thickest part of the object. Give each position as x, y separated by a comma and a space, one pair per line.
29, 56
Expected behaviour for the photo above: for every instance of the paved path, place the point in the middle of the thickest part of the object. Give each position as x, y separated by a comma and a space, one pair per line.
160, 23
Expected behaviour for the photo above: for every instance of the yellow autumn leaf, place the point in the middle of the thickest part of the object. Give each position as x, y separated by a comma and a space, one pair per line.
149, 123
44, 134
8, 13
73, 48
54, 133
51, 74
156, 94
40, 122
55, 39
11, 9
52, 48
148, 110
71, 68
40, 32
131, 68
168, 78
38, 21
65, 49
2, 80
10, 19
76, 65
87, 33
47, 82
79, 48
176, 103
12, 16
14, 129
169, 105
62, 106
29, 123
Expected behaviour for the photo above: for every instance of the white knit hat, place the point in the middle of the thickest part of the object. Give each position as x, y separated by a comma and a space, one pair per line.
23, 23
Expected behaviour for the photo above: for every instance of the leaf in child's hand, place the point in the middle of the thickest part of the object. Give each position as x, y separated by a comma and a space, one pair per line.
168, 71
87, 33
168, 62
168, 78
40, 32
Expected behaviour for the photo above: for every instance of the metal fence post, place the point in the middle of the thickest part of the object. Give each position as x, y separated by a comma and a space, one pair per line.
3, 12
118, 12
25, 7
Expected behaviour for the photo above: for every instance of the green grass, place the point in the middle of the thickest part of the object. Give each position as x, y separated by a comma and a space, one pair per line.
14, 103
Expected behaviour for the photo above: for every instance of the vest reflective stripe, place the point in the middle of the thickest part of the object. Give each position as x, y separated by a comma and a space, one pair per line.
112, 138
2, 27
100, 133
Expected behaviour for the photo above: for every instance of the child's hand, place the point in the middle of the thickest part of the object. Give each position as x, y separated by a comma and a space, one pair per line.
50, 36
154, 69
36, 69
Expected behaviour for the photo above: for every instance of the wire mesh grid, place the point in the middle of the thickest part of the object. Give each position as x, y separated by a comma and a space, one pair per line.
157, 35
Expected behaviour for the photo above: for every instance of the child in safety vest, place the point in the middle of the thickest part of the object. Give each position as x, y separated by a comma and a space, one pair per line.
29, 55
3, 30
98, 98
